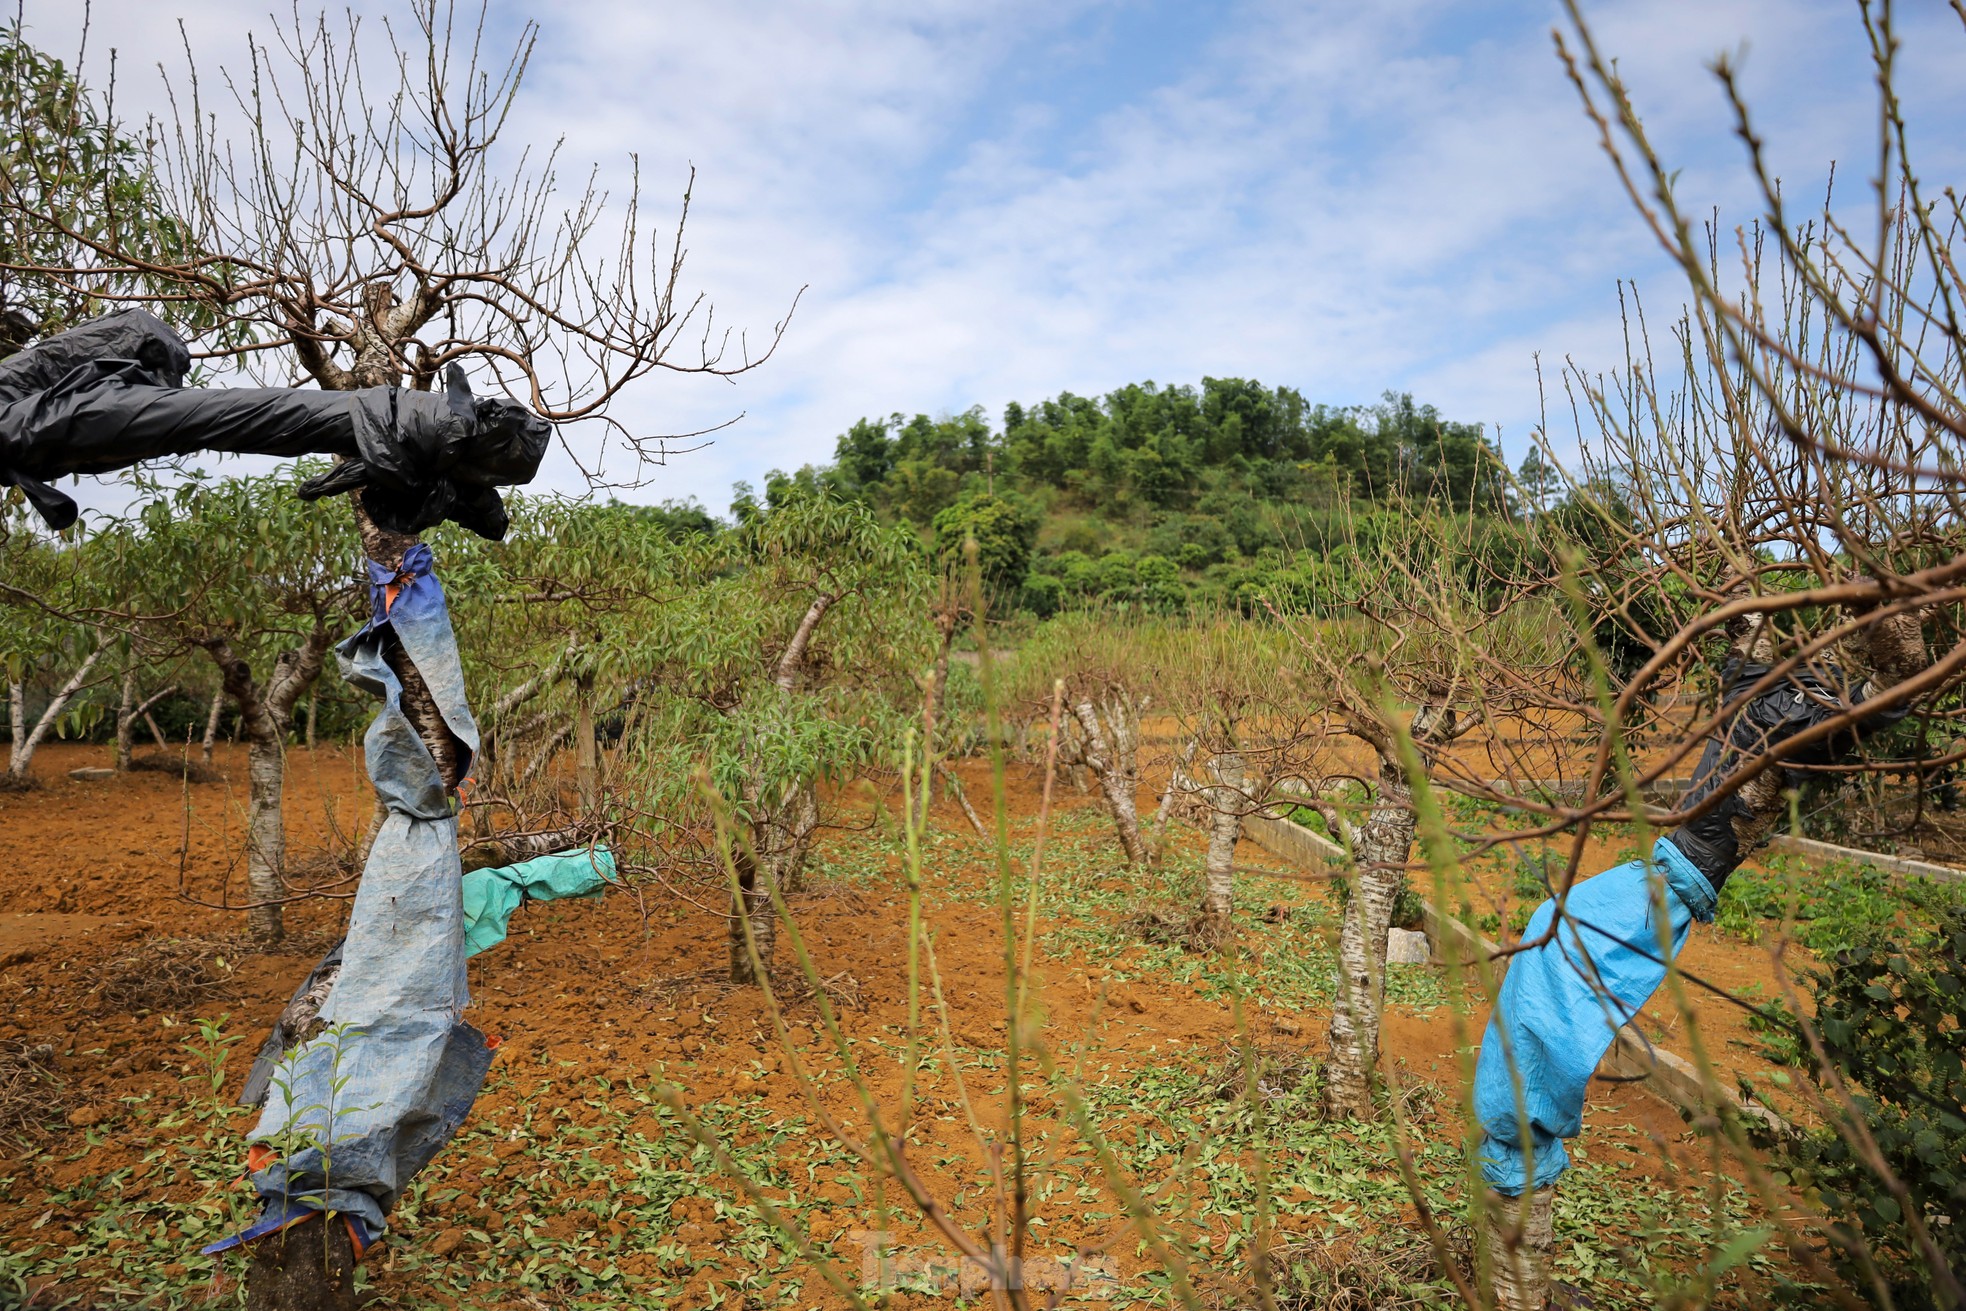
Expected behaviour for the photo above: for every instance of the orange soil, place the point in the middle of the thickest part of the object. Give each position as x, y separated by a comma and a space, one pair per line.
97, 867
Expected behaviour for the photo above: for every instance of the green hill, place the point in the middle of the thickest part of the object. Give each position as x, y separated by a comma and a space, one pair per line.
1157, 496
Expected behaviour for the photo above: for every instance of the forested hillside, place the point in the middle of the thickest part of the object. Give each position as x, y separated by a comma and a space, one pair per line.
1151, 496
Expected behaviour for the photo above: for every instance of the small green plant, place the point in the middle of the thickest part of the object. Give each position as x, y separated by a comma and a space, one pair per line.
209, 1050
1780, 1035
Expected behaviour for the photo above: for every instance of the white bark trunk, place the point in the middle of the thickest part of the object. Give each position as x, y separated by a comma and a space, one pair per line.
586, 751
266, 839
1115, 764
1177, 782
1518, 1239
954, 787
1225, 805
16, 723
1381, 846
781, 829
25, 745
211, 724
126, 719
129, 713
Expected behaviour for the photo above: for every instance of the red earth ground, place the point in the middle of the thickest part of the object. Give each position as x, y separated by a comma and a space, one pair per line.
97, 869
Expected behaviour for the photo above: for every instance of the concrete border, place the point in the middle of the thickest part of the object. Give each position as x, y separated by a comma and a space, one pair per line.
1824, 853
1667, 792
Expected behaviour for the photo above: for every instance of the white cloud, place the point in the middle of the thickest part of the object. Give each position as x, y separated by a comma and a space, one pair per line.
1335, 196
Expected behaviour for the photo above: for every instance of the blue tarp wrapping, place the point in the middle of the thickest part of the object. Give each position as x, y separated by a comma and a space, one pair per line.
1562, 1004
491, 895
361, 1108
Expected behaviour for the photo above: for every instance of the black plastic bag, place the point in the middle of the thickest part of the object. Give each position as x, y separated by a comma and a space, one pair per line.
110, 394
1802, 700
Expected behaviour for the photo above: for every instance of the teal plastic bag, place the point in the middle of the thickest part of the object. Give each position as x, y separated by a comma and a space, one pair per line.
491, 895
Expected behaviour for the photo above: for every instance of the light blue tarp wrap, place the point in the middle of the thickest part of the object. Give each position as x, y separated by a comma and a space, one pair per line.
491, 895
395, 1072
1562, 1004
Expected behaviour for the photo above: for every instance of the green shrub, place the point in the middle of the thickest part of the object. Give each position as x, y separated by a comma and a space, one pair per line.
1892, 1016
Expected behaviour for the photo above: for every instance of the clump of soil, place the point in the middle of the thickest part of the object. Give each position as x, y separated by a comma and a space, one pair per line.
1387, 1271
192, 771
1279, 1072
31, 1097
16, 783
1179, 927
842, 992
167, 974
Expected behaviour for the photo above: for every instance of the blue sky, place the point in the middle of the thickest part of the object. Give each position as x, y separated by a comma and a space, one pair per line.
990, 200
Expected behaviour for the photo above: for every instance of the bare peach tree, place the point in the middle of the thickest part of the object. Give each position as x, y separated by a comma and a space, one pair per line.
1422, 645
1107, 690
1252, 725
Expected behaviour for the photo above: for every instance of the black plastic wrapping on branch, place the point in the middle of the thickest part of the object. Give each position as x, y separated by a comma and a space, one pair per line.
1804, 699
111, 394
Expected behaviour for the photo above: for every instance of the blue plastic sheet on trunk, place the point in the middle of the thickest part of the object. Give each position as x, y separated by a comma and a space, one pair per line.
1563, 1002
491, 895
357, 1111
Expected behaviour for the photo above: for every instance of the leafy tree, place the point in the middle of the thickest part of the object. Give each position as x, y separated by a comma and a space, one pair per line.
262, 585
1196, 476
781, 656
1004, 531
369, 235
69, 178
1538, 481
677, 519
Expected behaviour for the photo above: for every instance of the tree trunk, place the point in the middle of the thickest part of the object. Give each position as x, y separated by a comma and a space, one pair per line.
954, 787
1225, 826
752, 905
1177, 784
496, 768
586, 752
510, 849
1518, 1234
1114, 763
281, 1276
27, 740
211, 724
419, 707
126, 716
264, 717
1380, 848
781, 832
795, 650
309, 1267
130, 712
266, 836
313, 706
544, 755
799, 820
